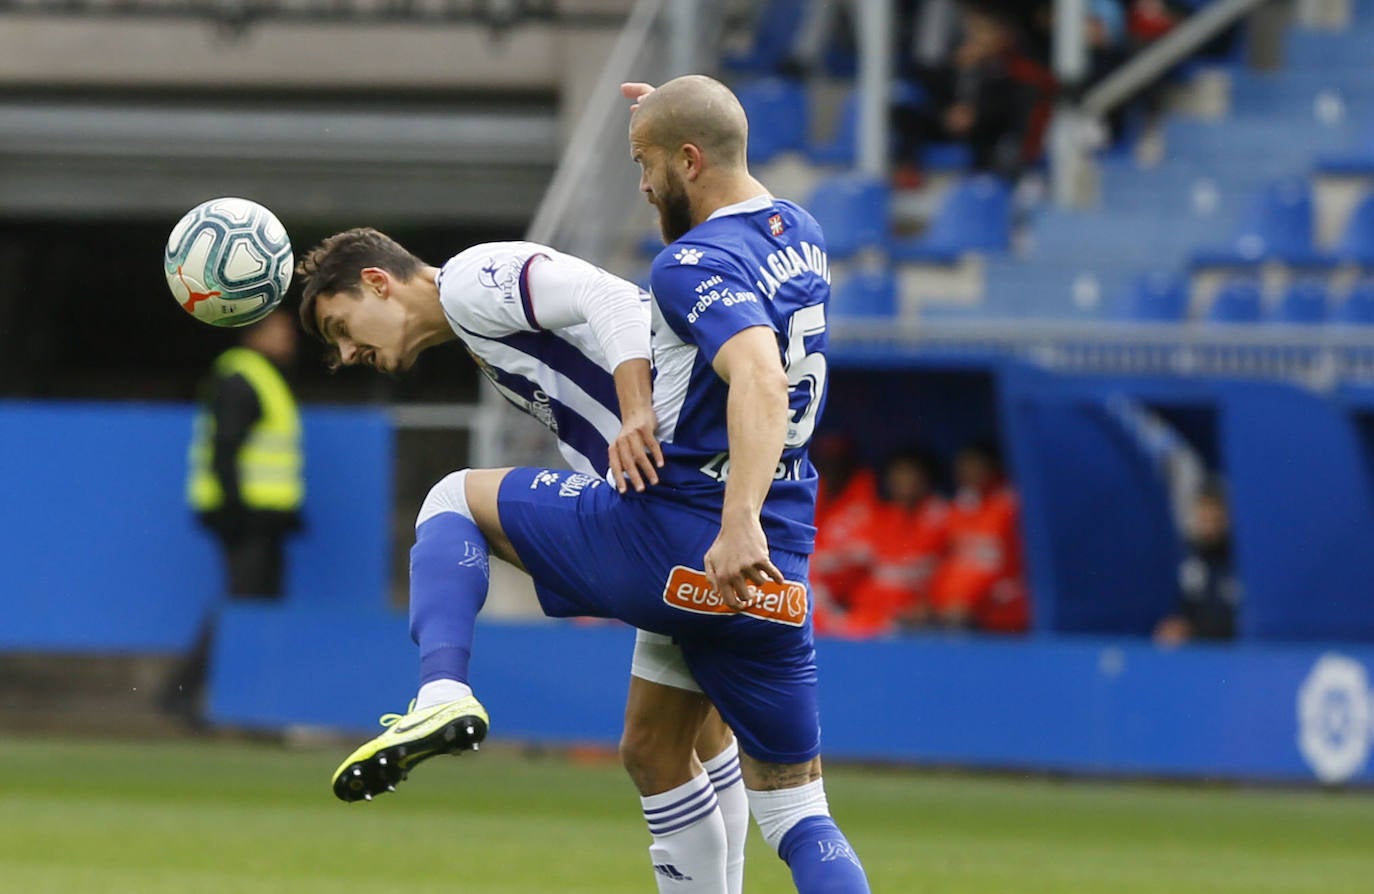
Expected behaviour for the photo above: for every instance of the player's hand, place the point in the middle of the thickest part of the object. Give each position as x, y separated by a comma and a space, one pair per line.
738, 558
634, 91
635, 455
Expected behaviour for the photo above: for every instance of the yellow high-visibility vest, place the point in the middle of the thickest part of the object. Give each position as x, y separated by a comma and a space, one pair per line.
270, 461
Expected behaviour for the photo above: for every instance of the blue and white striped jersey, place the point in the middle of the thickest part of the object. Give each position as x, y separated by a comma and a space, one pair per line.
541, 354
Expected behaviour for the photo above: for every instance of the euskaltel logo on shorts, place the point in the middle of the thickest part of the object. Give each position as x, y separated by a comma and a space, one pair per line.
689, 590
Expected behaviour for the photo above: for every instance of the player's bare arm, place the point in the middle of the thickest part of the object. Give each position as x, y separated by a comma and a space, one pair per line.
635, 455
756, 412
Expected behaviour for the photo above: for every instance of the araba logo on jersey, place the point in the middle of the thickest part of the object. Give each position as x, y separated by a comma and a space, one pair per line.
725, 295
689, 590
789, 263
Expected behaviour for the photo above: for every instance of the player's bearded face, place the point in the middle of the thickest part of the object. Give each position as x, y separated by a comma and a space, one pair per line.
674, 208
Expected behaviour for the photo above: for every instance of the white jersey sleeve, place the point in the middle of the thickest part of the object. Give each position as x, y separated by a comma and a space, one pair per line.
499, 288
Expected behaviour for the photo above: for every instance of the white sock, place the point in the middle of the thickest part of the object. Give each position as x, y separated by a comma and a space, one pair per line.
734, 809
437, 692
778, 811
689, 838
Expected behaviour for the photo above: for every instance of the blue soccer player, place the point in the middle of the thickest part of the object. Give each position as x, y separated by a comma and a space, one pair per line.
715, 553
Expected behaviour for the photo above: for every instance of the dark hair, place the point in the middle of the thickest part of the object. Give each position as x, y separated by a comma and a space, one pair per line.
337, 263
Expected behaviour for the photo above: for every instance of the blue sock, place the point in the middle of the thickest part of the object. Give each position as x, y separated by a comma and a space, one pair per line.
821, 860
449, 574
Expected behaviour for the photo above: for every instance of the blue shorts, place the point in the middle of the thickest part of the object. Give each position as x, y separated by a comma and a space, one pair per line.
594, 552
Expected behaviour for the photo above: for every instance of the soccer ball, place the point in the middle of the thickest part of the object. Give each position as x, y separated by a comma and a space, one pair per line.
228, 262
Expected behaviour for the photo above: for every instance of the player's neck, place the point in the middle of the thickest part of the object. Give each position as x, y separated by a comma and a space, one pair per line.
727, 191
428, 323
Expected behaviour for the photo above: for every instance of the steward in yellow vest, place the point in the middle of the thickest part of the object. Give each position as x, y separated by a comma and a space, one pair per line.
246, 480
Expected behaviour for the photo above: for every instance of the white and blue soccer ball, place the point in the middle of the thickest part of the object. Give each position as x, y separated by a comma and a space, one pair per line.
228, 262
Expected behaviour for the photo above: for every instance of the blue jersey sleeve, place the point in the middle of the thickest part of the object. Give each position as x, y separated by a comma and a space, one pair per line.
705, 299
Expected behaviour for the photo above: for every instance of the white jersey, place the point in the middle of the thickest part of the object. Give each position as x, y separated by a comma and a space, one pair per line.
549, 330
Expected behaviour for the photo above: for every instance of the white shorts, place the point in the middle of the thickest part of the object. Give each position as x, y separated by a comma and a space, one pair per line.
658, 660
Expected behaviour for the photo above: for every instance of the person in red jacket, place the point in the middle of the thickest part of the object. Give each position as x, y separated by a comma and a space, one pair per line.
980, 582
905, 539
844, 506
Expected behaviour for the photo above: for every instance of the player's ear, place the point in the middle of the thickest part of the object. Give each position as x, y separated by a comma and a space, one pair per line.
377, 281
692, 160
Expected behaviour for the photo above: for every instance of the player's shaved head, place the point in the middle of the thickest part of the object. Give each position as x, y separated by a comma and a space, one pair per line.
698, 110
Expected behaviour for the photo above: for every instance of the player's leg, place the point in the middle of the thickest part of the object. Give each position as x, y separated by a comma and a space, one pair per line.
719, 754
679, 800
449, 576
789, 804
764, 683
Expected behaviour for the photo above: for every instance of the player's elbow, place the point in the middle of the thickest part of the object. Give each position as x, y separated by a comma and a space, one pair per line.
772, 385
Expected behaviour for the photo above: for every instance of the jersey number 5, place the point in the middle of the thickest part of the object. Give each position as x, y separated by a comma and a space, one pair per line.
805, 373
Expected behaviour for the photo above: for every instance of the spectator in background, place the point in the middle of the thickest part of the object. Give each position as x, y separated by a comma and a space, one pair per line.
845, 503
990, 97
245, 482
904, 541
1209, 589
980, 583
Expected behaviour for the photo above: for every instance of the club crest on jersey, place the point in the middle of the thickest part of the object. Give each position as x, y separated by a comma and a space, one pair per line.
503, 276
775, 225
545, 478
688, 255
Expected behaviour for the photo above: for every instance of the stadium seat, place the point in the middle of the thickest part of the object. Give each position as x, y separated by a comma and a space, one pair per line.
1157, 298
1305, 302
975, 216
1357, 242
842, 146
866, 294
774, 32
1237, 302
779, 117
1280, 222
1357, 308
852, 210
1278, 225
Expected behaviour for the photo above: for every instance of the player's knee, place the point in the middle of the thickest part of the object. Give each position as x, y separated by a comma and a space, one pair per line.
449, 495
656, 758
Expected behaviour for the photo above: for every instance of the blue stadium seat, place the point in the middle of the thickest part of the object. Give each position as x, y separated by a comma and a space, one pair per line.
975, 216
1157, 298
852, 210
1237, 302
1281, 220
779, 117
866, 294
840, 149
1278, 225
1305, 302
774, 32
1357, 242
947, 157
1358, 306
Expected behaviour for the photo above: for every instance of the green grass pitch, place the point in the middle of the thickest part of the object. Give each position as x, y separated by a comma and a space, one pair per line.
214, 818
